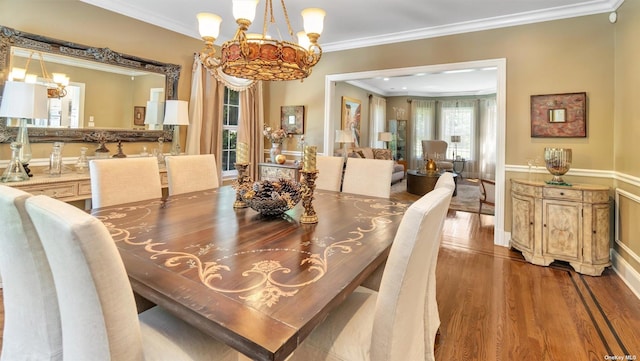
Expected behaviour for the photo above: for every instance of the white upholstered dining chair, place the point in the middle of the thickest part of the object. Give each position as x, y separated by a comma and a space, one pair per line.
32, 328
191, 173
368, 177
97, 308
393, 324
329, 173
117, 181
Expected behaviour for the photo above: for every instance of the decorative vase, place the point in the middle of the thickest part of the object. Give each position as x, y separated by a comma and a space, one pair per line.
276, 149
558, 162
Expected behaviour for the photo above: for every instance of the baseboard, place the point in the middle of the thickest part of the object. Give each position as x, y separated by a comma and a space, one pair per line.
629, 276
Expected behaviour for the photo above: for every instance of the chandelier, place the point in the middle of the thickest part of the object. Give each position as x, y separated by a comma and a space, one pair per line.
56, 82
257, 56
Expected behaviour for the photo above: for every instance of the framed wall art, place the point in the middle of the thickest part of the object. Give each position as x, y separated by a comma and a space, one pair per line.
351, 110
292, 119
138, 115
559, 115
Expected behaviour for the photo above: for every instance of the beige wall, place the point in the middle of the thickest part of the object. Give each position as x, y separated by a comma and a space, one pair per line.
627, 128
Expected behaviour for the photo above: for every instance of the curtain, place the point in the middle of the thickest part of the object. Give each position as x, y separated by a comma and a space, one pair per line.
204, 134
377, 115
423, 117
487, 148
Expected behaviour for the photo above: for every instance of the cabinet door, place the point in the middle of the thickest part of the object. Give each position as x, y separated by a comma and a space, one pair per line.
522, 232
562, 230
601, 232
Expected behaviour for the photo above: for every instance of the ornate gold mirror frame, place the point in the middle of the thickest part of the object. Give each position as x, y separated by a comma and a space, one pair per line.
10, 37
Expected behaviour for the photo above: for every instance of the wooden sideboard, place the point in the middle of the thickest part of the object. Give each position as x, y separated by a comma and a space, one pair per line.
67, 187
562, 223
274, 171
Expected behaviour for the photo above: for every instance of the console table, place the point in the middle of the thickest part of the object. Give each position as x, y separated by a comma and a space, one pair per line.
561, 223
67, 187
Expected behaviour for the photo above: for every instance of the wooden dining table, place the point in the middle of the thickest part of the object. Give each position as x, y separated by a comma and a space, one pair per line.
258, 284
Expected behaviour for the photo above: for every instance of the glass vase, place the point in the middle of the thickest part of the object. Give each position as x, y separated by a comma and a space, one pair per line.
276, 149
15, 171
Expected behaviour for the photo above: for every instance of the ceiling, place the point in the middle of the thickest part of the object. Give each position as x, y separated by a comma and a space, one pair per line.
359, 23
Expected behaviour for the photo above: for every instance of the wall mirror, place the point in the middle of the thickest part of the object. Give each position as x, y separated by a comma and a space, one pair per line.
106, 95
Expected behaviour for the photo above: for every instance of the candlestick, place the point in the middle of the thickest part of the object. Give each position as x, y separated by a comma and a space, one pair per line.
241, 185
242, 153
307, 187
310, 158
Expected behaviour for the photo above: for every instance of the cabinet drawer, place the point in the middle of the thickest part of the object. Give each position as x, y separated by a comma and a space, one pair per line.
596, 196
563, 194
84, 188
523, 189
58, 191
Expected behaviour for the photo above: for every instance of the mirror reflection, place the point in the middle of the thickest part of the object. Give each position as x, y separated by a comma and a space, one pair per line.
95, 95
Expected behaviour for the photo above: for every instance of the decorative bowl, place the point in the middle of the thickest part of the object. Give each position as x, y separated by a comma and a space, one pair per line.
273, 198
558, 162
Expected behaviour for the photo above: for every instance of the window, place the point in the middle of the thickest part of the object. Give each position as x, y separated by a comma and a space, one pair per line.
457, 118
231, 111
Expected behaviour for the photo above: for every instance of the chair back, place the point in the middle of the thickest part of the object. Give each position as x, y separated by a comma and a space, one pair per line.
97, 307
329, 173
432, 147
118, 181
192, 173
368, 177
32, 329
446, 180
401, 322
488, 191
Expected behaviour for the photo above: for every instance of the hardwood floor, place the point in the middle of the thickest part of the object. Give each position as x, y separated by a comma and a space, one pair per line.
496, 306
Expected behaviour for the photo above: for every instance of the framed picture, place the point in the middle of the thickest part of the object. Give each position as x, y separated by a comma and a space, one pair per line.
138, 115
351, 110
559, 115
292, 119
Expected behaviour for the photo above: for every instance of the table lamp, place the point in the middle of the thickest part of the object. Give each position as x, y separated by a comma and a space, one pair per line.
344, 136
385, 137
154, 115
455, 139
176, 113
24, 101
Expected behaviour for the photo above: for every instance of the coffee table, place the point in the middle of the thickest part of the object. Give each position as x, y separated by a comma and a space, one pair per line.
423, 183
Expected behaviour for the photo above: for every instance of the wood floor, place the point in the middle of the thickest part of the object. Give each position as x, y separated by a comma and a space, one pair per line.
495, 306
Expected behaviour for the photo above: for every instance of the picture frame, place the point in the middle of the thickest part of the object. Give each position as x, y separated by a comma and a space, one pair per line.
138, 115
292, 119
559, 115
350, 117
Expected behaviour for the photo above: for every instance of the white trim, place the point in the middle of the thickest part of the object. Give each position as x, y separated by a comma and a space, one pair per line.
629, 276
501, 81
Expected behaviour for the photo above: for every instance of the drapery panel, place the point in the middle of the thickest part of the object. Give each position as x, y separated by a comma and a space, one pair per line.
377, 120
204, 135
423, 118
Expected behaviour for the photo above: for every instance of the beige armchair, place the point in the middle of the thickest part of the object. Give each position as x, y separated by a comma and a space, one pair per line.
437, 150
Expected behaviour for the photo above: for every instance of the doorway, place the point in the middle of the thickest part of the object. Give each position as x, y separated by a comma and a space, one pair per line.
332, 107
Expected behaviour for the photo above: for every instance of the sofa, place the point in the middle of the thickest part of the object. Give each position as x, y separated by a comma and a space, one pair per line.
375, 153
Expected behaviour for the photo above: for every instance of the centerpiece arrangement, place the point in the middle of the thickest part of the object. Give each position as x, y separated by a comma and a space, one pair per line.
272, 198
276, 137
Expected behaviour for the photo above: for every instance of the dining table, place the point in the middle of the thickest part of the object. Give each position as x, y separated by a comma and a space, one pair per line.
259, 284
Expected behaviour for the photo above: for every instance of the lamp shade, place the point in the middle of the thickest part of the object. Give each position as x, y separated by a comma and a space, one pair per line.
24, 100
455, 139
384, 136
344, 136
313, 19
244, 9
155, 113
209, 25
176, 112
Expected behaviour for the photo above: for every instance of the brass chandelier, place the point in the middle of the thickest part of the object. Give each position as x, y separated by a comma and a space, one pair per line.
56, 82
258, 57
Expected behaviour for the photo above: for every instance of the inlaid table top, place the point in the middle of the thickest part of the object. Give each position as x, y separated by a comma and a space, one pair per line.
258, 284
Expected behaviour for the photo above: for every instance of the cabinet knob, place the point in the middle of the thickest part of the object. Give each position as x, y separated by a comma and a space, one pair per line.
561, 193
544, 225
